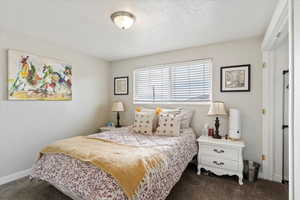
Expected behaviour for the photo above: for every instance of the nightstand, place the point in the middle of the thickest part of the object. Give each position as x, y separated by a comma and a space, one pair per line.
220, 156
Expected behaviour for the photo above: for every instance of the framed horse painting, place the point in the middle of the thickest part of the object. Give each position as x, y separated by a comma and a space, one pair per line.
32, 77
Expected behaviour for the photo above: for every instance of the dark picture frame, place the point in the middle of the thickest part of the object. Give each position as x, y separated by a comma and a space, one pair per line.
121, 85
236, 78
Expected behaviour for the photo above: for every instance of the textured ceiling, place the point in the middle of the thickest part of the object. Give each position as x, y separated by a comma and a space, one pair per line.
161, 25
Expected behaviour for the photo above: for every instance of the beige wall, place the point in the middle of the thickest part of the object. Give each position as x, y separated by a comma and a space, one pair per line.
230, 53
26, 126
29, 125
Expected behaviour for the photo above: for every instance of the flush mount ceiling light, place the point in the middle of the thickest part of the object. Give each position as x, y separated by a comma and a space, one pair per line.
123, 19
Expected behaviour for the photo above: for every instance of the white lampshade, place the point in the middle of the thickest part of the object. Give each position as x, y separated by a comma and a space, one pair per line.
123, 19
118, 107
217, 108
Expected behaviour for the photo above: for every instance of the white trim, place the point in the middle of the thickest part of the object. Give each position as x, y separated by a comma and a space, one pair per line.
173, 103
291, 101
275, 33
277, 26
14, 176
268, 117
278, 178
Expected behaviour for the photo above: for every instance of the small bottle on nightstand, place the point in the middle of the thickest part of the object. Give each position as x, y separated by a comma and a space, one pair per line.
205, 130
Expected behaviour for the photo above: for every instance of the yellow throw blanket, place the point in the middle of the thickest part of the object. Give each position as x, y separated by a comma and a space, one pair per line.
127, 164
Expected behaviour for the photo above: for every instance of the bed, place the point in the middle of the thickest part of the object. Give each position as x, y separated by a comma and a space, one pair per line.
83, 181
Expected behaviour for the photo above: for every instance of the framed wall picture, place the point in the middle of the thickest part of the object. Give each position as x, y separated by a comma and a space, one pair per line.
235, 78
121, 85
33, 77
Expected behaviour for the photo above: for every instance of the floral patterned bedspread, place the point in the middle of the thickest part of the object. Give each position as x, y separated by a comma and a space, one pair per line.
83, 181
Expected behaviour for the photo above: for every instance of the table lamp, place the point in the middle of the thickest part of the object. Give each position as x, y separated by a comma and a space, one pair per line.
217, 109
118, 107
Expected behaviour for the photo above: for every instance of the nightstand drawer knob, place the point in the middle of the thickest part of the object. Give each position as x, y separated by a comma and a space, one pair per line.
219, 151
218, 163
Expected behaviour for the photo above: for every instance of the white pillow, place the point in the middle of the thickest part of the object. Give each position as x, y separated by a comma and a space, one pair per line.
147, 110
168, 125
143, 122
186, 119
186, 115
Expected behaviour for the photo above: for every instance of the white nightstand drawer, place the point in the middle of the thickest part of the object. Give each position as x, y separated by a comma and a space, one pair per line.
219, 163
218, 151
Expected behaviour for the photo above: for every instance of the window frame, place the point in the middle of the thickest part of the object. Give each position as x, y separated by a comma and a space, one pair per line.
208, 102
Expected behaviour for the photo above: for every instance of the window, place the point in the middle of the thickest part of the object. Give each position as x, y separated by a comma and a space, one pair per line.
171, 83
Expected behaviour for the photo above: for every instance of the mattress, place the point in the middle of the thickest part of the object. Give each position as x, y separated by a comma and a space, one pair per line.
82, 180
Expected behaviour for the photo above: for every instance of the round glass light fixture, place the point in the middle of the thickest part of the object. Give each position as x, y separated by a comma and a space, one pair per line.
123, 19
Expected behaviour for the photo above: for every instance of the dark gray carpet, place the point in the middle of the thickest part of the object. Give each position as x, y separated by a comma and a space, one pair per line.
190, 187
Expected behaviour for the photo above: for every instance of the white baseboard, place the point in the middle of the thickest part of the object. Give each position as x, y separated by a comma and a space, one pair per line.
14, 176
277, 178
261, 175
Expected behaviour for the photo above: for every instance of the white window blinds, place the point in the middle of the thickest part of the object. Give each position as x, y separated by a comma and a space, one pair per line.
180, 82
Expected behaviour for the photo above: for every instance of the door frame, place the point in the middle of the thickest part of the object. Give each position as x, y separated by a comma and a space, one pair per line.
276, 32
292, 147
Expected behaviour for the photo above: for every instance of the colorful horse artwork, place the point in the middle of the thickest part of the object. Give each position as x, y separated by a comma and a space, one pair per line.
33, 77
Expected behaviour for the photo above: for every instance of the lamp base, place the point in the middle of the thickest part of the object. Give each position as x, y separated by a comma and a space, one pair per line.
217, 136
118, 120
217, 125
